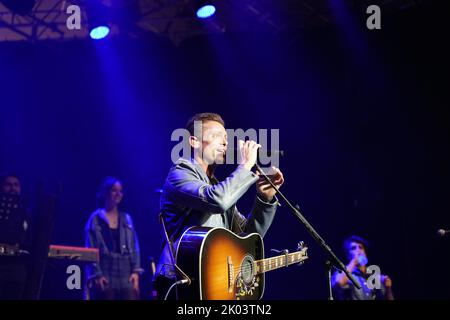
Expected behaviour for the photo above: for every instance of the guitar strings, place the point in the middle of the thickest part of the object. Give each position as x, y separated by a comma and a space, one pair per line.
254, 263
253, 266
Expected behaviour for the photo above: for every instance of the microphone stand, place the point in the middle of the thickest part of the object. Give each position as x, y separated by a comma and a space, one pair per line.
333, 259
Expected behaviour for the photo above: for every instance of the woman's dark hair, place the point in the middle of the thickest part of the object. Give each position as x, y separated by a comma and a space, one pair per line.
105, 188
357, 239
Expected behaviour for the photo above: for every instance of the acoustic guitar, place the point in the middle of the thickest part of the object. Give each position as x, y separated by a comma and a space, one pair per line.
224, 266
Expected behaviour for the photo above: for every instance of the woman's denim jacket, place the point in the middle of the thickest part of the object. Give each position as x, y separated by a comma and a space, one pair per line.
95, 237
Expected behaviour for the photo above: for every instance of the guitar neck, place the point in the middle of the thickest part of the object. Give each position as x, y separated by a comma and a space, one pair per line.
284, 260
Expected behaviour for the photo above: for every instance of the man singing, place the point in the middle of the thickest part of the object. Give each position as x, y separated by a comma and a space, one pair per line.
192, 195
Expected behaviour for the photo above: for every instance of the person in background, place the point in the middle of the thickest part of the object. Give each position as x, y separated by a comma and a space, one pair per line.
111, 230
14, 240
355, 248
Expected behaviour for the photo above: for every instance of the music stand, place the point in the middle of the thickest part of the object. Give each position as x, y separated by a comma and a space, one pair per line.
13, 225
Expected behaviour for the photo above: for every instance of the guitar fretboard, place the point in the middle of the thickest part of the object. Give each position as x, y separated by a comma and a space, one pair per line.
280, 261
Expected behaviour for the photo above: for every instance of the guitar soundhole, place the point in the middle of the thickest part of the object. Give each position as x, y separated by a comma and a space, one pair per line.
247, 269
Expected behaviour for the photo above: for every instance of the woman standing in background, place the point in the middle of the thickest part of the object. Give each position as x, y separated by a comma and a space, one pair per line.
116, 276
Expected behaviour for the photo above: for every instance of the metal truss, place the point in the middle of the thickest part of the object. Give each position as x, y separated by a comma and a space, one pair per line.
46, 21
175, 19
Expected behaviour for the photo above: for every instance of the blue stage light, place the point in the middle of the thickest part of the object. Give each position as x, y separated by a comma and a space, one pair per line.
99, 32
206, 11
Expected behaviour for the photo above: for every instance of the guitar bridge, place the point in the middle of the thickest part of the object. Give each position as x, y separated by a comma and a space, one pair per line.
230, 275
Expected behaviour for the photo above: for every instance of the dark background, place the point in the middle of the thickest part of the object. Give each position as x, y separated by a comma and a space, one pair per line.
363, 119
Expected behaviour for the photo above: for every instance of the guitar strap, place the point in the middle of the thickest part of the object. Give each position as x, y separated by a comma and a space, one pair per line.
171, 249
169, 242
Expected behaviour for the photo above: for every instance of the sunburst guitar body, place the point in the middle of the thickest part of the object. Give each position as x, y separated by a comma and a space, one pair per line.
224, 266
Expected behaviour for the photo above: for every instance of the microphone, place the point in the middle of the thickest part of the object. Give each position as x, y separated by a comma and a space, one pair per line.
362, 259
442, 232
